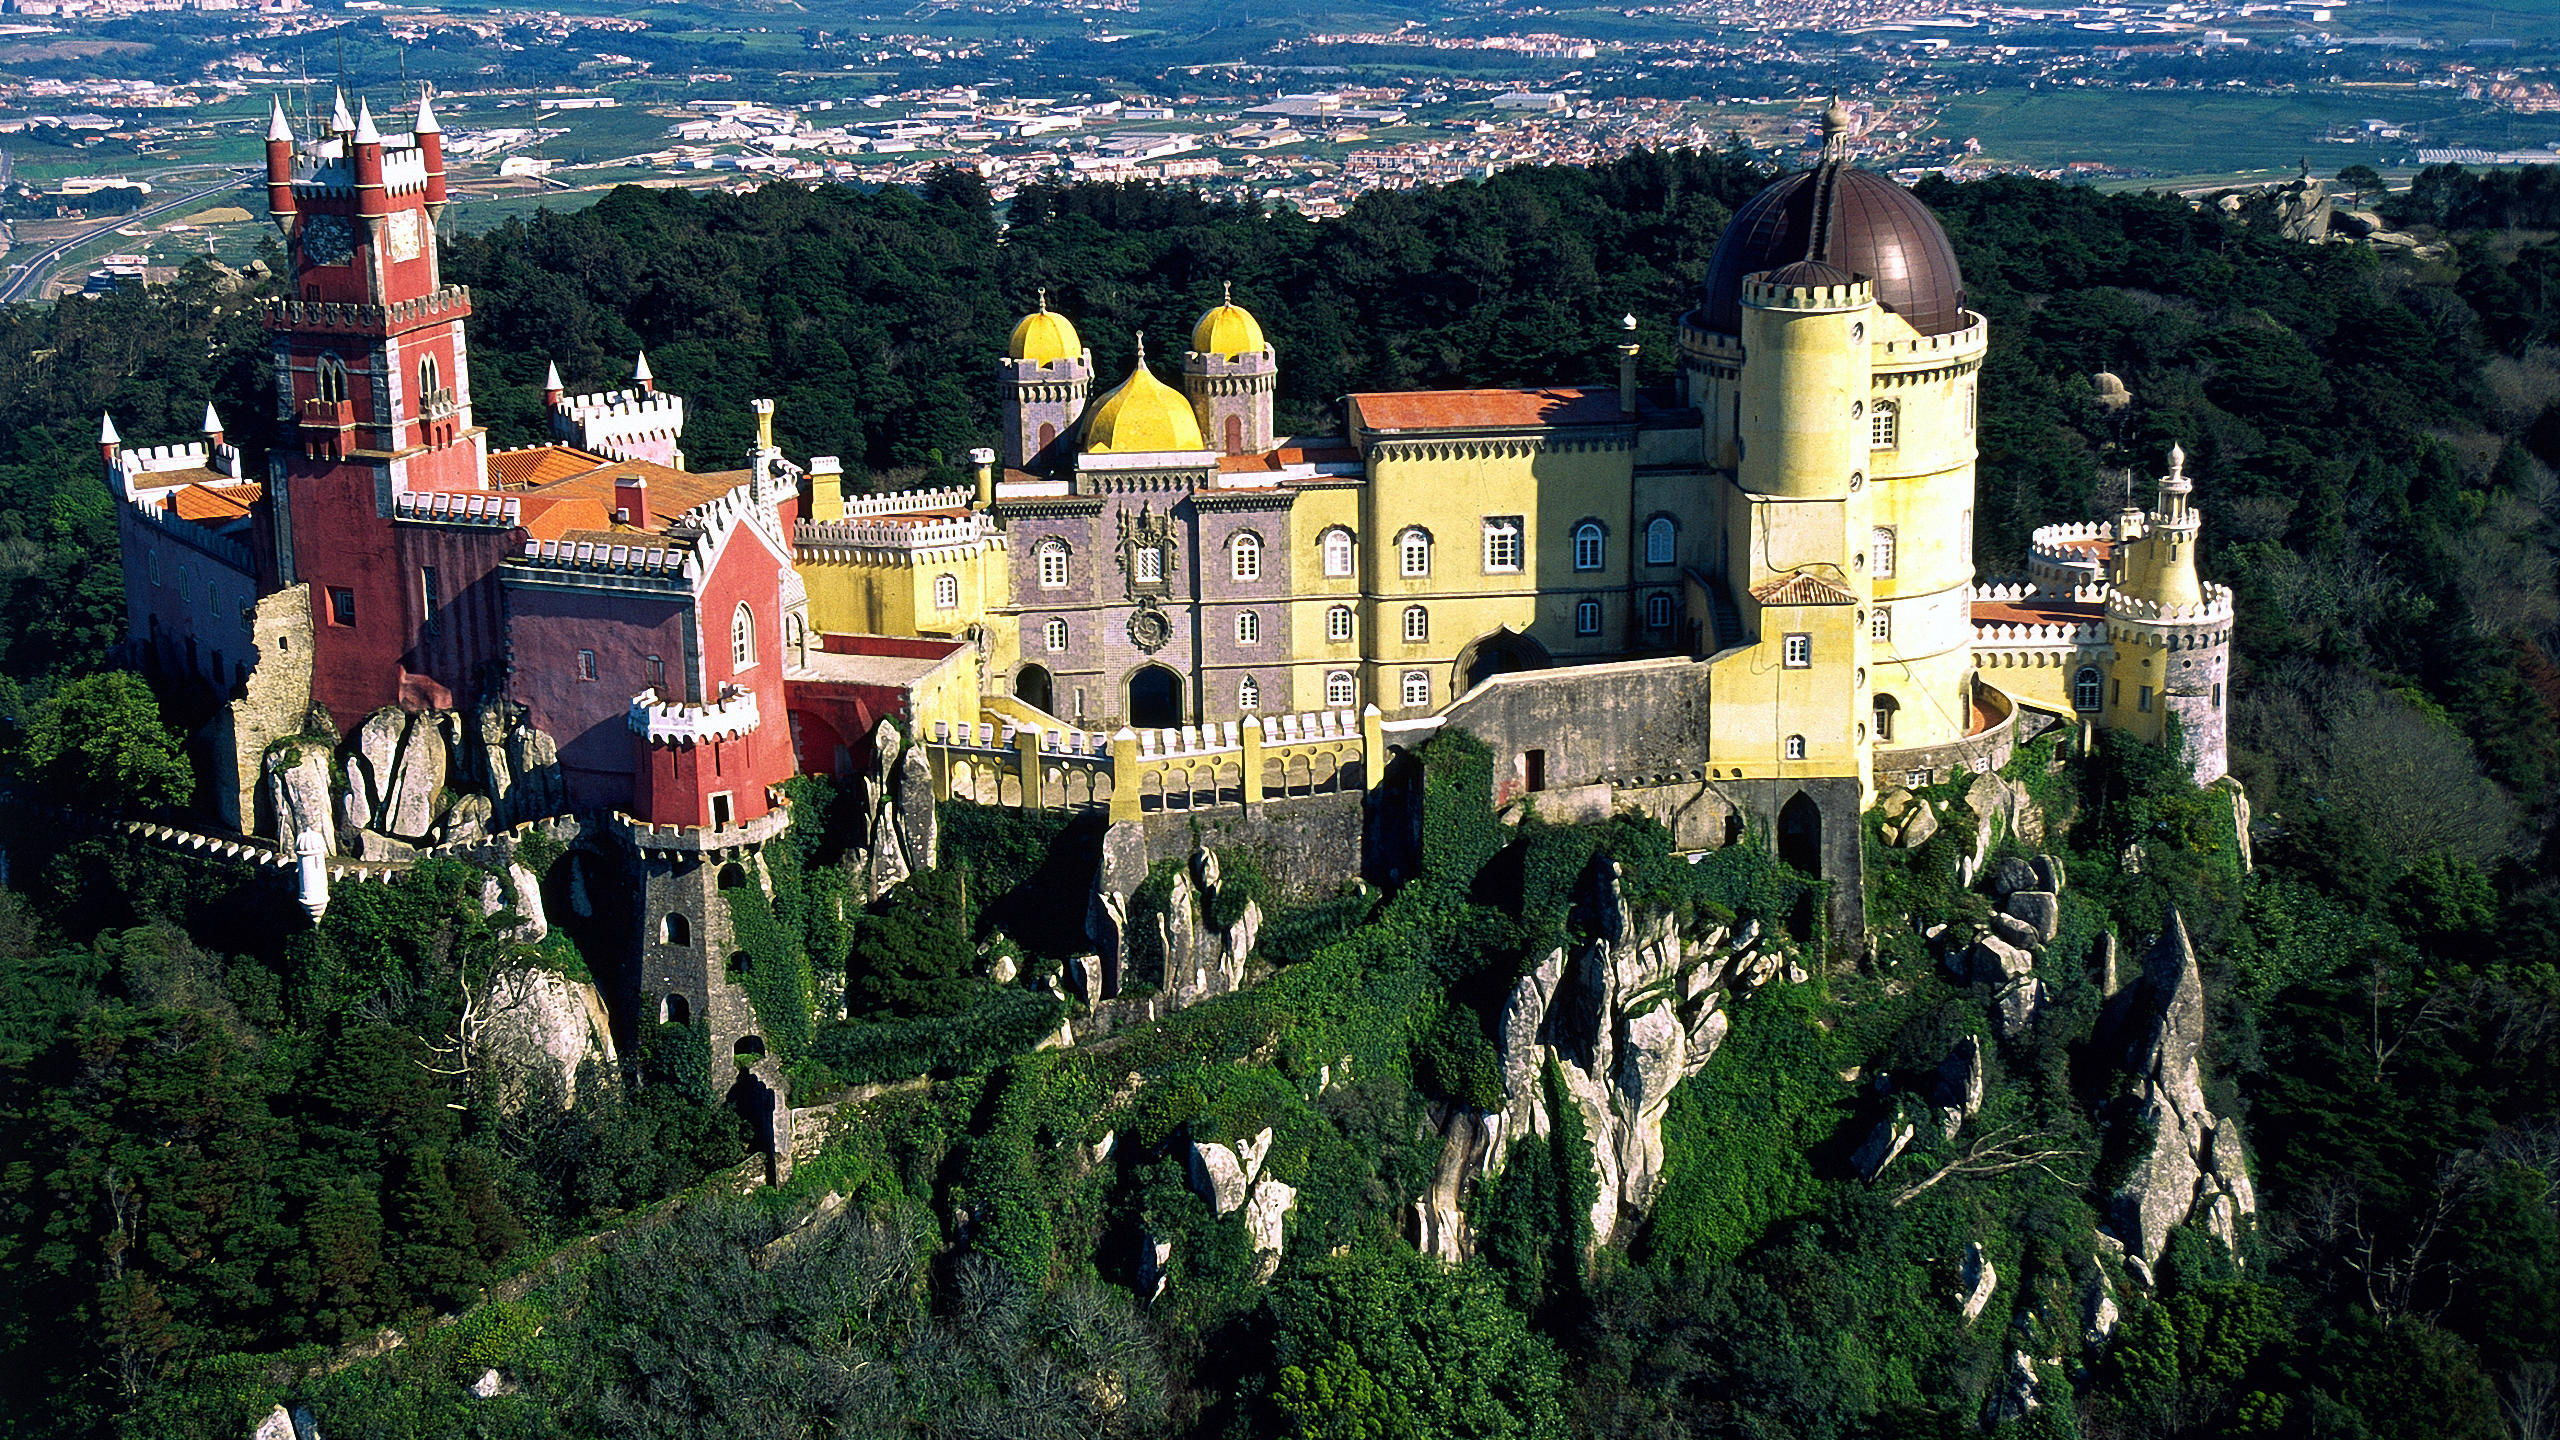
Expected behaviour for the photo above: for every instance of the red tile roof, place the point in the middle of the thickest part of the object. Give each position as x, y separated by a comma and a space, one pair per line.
210, 505
1488, 409
1802, 588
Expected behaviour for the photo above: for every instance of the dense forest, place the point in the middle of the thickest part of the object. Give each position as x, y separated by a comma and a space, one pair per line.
232, 1144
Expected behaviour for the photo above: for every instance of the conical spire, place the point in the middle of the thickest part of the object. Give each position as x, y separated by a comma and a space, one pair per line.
107, 430
212, 422
551, 379
278, 127
426, 116
366, 134
2177, 461
640, 370
339, 121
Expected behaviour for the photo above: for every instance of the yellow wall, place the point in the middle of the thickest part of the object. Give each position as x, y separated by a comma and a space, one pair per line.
1923, 491
895, 597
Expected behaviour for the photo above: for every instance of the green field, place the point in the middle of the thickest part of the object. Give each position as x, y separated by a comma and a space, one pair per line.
2184, 132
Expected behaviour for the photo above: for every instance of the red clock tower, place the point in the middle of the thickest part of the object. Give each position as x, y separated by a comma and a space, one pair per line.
378, 476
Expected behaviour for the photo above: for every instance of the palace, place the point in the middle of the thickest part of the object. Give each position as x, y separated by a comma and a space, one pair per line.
1744, 602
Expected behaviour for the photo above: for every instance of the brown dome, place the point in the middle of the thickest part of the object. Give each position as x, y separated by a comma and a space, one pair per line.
1874, 228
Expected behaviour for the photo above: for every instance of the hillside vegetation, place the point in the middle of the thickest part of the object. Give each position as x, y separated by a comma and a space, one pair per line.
231, 1144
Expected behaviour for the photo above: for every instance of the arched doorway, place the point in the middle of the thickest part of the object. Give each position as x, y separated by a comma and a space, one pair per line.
1155, 697
1887, 708
1034, 688
1500, 653
1800, 835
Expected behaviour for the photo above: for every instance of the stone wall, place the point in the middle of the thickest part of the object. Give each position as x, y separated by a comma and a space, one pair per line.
271, 705
1310, 846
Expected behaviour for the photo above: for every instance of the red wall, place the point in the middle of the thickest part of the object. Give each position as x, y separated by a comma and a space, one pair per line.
681, 779
340, 541
589, 719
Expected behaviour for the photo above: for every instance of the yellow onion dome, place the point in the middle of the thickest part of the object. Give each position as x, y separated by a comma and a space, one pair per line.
1228, 329
1045, 336
1144, 414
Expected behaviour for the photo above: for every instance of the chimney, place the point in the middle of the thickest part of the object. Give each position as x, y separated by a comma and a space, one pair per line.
985, 460
1627, 353
631, 501
826, 489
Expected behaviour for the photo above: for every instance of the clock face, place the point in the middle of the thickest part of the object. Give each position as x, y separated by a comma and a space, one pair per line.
404, 235
327, 240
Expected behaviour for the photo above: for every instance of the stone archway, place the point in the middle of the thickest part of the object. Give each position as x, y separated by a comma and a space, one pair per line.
1800, 835
1155, 697
1033, 687
1499, 653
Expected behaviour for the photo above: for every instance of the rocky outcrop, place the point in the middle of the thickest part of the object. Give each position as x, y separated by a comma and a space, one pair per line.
534, 1030
516, 765
1638, 1010
521, 894
297, 779
1218, 1173
904, 834
1975, 1282
1883, 1145
2187, 1162
1230, 1177
1909, 821
1958, 1087
2019, 1392
2039, 910
1265, 1216
1155, 1266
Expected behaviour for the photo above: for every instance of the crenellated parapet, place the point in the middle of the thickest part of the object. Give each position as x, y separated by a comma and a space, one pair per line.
660, 721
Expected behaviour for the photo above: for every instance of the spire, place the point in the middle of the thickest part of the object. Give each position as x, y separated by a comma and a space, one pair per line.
278, 127
2177, 462
1142, 350
1835, 129
640, 375
366, 134
212, 422
1044, 299
426, 116
1226, 292
551, 380
107, 430
339, 124
1627, 323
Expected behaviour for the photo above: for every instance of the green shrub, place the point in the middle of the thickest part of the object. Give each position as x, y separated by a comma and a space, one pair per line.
1006, 1023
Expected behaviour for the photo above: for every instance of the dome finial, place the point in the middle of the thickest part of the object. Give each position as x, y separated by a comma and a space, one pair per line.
1835, 129
1044, 299
2177, 461
1226, 292
1142, 349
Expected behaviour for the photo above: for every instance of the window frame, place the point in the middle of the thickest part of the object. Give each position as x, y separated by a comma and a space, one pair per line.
1412, 681
1882, 551
1666, 530
1053, 634
1337, 538
1341, 627
586, 665
1413, 553
1244, 557
742, 637
342, 605
1880, 624
1660, 610
1248, 627
1588, 616
1796, 650
1054, 552
1884, 425
1795, 748
2089, 690
1595, 536
1416, 627
946, 591
1506, 545
1347, 688
1248, 694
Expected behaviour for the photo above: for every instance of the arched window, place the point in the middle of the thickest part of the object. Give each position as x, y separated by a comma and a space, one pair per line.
674, 1010
1340, 690
742, 637
1249, 694
1590, 546
1880, 624
1795, 747
1661, 541
331, 379
1055, 633
1501, 544
2087, 688
1417, 689
1244, 555
1884, 426
795, 635
1053, 564
1417, 624
1657, 611
1413, 552
1880, 552
1248, 628
1337, 623
1586, 617
946, 592
674, 929
426, 379
1146, 564
1886, 709
1337, 553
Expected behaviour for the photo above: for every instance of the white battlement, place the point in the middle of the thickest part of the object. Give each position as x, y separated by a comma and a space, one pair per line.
2216, 606
906, 502
2013, 592
457, 508
634, 559
2006, 636
152, 459
666, 722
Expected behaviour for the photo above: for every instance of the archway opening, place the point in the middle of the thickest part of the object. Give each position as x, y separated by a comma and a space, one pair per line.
1887, 709
1034, 688
674, 929
748, 1050
1800, 835
1155, 697
1500, 653
675, 1010
733, 876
